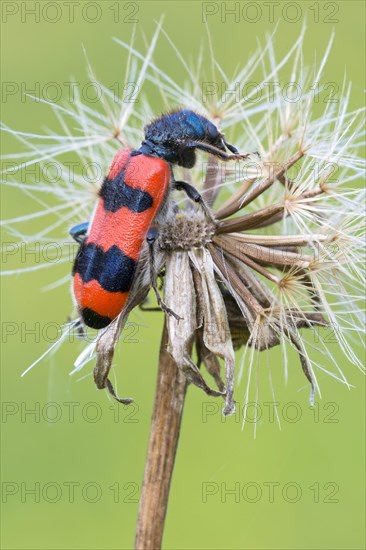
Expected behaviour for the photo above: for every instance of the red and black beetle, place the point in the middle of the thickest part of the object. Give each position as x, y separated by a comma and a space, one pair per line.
131, 196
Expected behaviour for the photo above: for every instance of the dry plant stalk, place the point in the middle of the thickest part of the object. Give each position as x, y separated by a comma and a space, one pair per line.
164, 435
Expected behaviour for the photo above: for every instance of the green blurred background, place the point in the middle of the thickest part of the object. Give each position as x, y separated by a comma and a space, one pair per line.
315, 465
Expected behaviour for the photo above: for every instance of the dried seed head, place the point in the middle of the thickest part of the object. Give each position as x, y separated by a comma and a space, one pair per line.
185, 231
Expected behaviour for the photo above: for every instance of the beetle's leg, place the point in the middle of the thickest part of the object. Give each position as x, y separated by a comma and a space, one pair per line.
144, 307
195, 196
148, 308
79, 231
212, 150
151, 237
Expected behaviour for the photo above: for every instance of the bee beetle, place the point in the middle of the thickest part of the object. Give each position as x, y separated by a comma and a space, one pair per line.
131, 196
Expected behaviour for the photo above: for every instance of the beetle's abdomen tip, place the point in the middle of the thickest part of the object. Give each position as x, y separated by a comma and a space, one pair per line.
93, 319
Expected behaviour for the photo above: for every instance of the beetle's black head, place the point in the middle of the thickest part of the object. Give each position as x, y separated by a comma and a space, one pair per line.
175, 136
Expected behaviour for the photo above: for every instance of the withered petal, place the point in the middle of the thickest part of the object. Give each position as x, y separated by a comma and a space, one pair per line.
180, 297
216, 331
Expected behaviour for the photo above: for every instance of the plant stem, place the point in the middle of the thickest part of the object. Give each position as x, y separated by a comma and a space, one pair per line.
164, 435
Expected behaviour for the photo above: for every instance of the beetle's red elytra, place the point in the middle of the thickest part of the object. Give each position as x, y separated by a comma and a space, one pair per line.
104, 268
